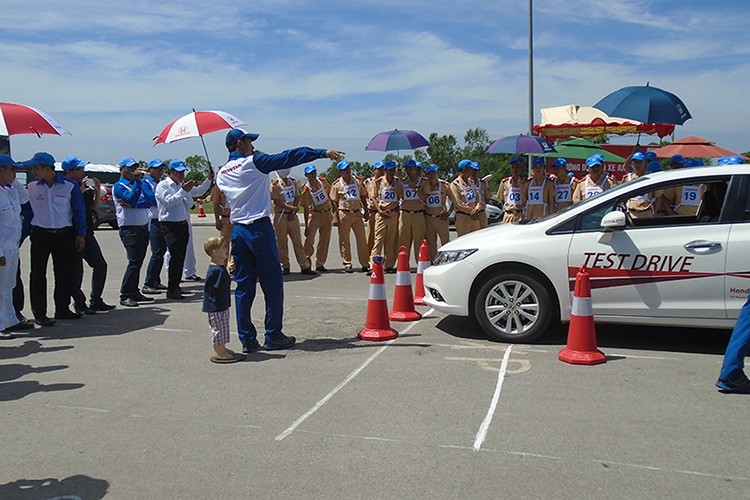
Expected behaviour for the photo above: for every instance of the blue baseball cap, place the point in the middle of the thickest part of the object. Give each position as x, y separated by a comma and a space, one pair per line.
650, 155
537, 161
560, 162
7, 160
694, 162
41, 158
390, 165
310, 169
464, 163
420, 164
431, 168
410, 163
236, 134
475, 165
342, 165
653, 166
156, 163
72, 162
515, 159
638, 156
378, 164
730, 160
128, 163
677, 159
177, 165
594, 160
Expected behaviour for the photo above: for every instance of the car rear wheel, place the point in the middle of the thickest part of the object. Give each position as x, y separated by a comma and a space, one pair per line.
512, 307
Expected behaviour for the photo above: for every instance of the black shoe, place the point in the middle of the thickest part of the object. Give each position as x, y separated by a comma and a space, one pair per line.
44, 321
251, 347
366, 269
321, 269
139, 297
21, 325
100, 305
129, 302
175, 296
740, 385
150, 290
390, 270
6, 335
83, 309
348, 269
160, 287
283, 342
308, 271
193, 277
285, 271
67, 314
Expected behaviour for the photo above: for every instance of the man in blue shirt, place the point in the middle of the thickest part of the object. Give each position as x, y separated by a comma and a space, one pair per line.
245, 182
131, 207
153, 284
58, 228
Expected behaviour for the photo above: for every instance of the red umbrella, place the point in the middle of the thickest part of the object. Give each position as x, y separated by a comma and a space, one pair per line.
197, 124
21, 119
693, 146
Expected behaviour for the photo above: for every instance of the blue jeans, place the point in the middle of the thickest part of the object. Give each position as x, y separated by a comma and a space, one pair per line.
135, 241
738, 347
158, 248
256, 258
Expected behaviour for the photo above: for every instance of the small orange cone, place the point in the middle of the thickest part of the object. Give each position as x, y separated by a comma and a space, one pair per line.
581, 348
377, 326
201, 212
403, 300
422, 264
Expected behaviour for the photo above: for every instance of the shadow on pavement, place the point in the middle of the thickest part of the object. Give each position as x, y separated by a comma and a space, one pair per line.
73, 487
11, 391
28, 348
103, 324
16, 371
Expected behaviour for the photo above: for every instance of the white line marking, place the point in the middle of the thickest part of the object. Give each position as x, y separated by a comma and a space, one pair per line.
171, 330
343, 383
326, 298
482, 433
97, 410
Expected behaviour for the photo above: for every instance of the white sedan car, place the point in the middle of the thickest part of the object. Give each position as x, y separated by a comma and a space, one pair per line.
690, 268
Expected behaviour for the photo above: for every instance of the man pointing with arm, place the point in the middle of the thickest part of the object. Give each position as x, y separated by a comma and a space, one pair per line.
245, 182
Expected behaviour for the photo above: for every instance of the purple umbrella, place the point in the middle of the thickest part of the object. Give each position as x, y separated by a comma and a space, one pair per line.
396, 140
522, 144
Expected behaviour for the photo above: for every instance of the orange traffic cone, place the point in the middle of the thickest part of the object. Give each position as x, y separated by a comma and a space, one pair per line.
422, 264
201, 212
377, 326
403, 300
581, 348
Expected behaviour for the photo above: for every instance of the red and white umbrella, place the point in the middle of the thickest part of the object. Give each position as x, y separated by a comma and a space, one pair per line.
197, 124
21, 119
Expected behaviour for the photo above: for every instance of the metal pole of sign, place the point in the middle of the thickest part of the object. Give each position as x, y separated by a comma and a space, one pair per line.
531, 77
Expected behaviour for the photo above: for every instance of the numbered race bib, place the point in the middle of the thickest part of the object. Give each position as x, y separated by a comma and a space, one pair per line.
535, 195
410, 193
319, 197
433, 200
513, 196
563, 193
388, 194
352, 192
691, 195
470, 195
290, 192
593, 190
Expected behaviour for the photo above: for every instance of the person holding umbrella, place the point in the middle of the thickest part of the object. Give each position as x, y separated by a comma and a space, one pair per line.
349, 198
596, 182
513, 192
244, 181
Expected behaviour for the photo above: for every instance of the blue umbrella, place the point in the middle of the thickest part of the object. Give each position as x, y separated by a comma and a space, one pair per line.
522, 144
396, 140
646, 104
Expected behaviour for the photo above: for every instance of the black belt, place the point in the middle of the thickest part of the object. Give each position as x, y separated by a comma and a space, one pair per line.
321, 211
412, 211
173, 223
435, 216
52, 231
254, 222
350, 211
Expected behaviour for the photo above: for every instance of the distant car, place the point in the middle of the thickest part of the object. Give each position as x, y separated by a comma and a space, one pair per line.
494, 213
684, 267
105, 214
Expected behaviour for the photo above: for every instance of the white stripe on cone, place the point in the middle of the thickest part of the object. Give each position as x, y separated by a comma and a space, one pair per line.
403, 278
582, 306
422, 265
377, 291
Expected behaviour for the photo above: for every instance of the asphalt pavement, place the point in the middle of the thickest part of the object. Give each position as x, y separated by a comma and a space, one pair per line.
126, 404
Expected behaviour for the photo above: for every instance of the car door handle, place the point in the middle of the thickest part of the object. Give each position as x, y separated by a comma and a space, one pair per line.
702, 245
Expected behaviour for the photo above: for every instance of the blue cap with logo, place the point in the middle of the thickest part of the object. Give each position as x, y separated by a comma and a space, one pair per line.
156, 163
431, 168
464, 163
7, 160
653, 166
390, 165
410, 163
537, 162
177, 165
378, 164
342, 165
638, 156
475, 165
694, 162
677, 159
560, 162
650, 155
730, 160
310, 169
515, 159
73, 162
41, 158
236, 134
594, 160
128, 163
420, 164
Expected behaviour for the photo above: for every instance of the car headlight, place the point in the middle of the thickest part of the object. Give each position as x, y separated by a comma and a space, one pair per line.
448, 256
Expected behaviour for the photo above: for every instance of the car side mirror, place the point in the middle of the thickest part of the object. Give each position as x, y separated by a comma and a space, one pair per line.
613, 221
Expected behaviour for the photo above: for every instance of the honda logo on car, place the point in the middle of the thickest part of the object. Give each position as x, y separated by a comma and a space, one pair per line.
638, 262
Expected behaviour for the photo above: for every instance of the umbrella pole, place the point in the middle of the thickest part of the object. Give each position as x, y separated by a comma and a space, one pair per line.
205, 151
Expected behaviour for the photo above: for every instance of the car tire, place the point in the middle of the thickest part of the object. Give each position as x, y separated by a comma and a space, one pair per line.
513, 307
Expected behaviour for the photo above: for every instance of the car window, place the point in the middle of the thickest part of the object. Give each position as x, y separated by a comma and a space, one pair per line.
592, 220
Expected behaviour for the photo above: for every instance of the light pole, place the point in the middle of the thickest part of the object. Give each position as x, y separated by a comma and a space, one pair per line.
531, 75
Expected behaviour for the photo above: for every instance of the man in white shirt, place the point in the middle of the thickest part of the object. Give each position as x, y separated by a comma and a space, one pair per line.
10, 238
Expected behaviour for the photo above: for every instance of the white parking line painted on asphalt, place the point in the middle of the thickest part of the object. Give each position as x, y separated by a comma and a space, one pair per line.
482, 433
348, 299
171, 330
343, 383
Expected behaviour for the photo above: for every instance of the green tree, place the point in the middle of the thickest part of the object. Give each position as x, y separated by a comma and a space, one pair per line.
197, 168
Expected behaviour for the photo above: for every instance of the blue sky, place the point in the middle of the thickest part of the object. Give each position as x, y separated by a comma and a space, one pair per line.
333, 73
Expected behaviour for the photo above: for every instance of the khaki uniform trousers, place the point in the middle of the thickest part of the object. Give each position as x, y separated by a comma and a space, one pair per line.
321, 222
411, 229
386, 238
466, 224
371, 231
287, 227
226, 235
435, 227
483, 220
348, 222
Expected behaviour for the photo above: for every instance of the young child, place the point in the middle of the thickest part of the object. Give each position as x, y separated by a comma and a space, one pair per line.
217, 299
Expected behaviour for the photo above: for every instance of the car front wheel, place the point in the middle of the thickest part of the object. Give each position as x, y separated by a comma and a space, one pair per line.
512, 307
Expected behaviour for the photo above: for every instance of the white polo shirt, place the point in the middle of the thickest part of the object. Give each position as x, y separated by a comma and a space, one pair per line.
248, 190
